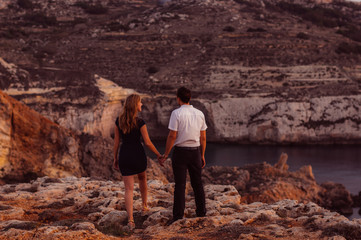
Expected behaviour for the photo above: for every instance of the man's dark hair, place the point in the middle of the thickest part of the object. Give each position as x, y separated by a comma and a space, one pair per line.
184, 94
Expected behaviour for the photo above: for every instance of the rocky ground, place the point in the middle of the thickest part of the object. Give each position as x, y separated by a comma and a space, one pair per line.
84, 208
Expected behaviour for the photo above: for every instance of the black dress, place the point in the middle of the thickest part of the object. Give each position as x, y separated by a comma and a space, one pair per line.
132, 158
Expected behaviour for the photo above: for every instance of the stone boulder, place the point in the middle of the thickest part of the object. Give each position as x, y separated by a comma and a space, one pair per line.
336, 197
273, 183
235, 176
32, 146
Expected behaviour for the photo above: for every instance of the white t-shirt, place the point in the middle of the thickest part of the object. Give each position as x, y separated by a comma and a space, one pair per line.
188, 122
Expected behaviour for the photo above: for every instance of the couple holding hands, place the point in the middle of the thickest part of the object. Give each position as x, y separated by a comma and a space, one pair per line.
187, 134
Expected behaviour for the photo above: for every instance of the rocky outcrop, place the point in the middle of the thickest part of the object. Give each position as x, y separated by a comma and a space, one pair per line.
32, 145
266, 183
83, 208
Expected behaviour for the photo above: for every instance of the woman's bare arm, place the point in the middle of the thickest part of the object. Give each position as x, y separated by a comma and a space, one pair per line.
147, 140
116, 147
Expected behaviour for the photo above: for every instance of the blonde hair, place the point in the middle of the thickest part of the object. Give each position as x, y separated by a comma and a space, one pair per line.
127, 118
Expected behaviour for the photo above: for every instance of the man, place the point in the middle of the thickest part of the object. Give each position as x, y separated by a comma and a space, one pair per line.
187, 133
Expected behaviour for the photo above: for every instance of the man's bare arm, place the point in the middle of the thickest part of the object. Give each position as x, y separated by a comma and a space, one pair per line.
203, 142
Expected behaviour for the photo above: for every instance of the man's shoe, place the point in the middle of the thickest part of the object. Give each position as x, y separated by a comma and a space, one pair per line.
171, 221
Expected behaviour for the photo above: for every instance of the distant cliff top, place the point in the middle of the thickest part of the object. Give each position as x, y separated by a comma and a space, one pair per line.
154, 47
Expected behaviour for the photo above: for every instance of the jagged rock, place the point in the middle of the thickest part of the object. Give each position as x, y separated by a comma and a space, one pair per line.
115, 219
235, 176
356, 200
32, 145
226, 218
337, 198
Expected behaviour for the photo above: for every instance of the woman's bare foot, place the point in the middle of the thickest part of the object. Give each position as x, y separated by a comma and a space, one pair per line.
131, 225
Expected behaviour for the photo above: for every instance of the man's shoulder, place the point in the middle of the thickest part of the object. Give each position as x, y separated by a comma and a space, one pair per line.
197, 111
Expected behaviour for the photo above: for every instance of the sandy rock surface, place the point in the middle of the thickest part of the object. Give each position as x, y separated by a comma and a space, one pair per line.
83, 208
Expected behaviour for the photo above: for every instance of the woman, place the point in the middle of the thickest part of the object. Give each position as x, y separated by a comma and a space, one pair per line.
132, 159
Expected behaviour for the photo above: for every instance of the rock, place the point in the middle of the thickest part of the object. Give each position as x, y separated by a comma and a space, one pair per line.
87, 226
32, 145
282, 162
235, 176
114, 219
226, 217
337, 198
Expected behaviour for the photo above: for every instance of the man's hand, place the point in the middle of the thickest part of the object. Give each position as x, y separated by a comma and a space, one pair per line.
161, 160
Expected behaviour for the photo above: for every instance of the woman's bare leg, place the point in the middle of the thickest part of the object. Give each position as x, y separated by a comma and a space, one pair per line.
143, 189
129, 186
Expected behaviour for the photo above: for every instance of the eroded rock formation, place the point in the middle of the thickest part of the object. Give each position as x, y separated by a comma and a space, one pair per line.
32, 145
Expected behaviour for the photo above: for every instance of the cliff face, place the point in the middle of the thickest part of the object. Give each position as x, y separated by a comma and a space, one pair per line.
83, 208
263, 72
32, 145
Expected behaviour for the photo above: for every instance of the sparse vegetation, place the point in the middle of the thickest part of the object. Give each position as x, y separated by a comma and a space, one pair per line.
40, 18
324, 17
229, 29
347, 48
256, 30
317, 15
348, 4
302, 35
152, 70
351, 32
12, 33
92, 8
320, 16
25, 4
116, 26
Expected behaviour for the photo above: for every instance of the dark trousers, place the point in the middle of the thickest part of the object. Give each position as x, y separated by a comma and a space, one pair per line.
187, 159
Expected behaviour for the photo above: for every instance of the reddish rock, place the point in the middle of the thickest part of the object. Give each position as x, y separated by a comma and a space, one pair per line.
32, 145
336, 197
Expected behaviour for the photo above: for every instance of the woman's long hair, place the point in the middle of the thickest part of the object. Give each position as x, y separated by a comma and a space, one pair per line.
127, 118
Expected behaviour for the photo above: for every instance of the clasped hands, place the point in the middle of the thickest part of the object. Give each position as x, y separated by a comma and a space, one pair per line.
161, 159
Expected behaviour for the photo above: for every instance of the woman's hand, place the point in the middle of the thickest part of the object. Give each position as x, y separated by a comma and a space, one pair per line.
161, 159
115, 165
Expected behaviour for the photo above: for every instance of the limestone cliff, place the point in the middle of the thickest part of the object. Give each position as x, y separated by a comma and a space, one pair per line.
262, 71
31, 145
